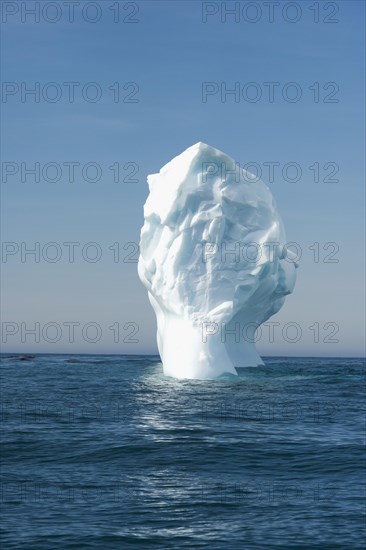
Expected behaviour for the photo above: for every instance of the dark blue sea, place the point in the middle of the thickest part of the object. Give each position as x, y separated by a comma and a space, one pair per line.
104, 452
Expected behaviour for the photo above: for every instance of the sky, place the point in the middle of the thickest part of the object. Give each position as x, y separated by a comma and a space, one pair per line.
120, 88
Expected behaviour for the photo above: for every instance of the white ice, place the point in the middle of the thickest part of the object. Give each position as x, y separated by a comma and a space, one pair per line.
213, 260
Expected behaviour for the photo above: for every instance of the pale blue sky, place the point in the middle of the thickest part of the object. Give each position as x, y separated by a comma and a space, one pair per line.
168, 53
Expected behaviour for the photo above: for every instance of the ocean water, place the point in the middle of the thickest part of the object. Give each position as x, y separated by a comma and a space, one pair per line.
104, 452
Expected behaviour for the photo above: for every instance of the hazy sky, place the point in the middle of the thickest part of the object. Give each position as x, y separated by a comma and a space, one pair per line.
122, 85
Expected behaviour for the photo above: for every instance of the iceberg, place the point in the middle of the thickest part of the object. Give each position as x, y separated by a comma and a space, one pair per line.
213, 258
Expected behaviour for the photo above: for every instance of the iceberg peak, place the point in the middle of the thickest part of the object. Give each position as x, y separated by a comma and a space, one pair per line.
204, 218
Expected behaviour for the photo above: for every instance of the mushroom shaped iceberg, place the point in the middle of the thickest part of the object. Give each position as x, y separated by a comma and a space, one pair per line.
214, 262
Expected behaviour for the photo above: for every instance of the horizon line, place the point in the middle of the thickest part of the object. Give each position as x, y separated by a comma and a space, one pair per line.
157, 355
